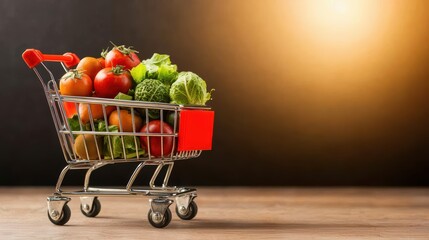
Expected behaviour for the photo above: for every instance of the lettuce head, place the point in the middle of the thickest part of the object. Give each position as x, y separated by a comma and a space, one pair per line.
189, 89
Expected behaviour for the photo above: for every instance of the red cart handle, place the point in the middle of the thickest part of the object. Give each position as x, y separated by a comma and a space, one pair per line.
34, 57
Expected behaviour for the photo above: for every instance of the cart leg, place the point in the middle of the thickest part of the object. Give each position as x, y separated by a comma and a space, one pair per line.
88, 174
155, 175
61, 178
167, 175
135, 174
166, 178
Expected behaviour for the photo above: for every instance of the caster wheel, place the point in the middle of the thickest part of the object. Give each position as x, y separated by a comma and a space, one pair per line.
96, 208
158, 221
190, 214
63, 219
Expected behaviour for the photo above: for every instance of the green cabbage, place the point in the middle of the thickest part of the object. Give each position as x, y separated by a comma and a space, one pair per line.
189, 89
152, 90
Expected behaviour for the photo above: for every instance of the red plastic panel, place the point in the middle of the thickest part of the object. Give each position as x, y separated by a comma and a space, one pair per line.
195, 130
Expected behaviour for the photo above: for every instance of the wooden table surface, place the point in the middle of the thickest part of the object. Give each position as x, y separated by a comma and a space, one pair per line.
232, 213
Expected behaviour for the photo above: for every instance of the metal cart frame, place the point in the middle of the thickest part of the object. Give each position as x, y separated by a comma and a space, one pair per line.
161, 197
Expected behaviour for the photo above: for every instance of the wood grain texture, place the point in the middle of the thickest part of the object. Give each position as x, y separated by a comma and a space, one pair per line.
232, 213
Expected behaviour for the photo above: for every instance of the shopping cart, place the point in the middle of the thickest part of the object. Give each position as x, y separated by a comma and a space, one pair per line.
192, 129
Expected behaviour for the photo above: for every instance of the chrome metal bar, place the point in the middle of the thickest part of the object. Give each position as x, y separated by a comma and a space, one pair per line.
61, 178
155, 175
134, 175
121, 134
124, 152
118, 102
176, 133
107, 130
91, 120
167, 174
89, 172
162, 131
147, 133
134, 132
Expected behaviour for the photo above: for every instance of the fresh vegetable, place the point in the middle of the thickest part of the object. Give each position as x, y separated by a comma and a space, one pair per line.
76, 83
74, 124
121, 55
155, 126
157, 67
170, 118
102, 62
122, 96
152, 90
189, 89
111, 81
90, 66
126, 120
88, 143
139, 73
70, 109
96, 112
167, 73
112, 145
120, 74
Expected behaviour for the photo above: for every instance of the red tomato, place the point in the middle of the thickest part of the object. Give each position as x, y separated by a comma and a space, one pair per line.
76, 83
155, 142
111, 81
70, 109
121, 55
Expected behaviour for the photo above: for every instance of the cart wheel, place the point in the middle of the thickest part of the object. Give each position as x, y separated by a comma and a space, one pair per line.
95, 210
190, 214
158, 222
65, 216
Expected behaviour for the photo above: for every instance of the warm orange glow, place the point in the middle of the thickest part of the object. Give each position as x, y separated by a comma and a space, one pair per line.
338, 24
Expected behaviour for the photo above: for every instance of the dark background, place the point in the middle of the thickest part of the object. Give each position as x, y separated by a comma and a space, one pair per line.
306, 93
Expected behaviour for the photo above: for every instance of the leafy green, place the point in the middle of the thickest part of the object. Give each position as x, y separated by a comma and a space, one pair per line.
152, 90
157, 67
189, 89
74, 123
75, 126
115, 147
160, 59
123, 96
167, 73
152, 69
139, 73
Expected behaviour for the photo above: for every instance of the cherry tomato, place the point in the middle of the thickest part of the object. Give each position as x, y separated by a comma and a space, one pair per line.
89, 65
155, 142
110, 81
124, 56
76, 83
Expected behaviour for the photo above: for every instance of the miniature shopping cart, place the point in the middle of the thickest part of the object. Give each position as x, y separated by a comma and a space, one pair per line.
192, 129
